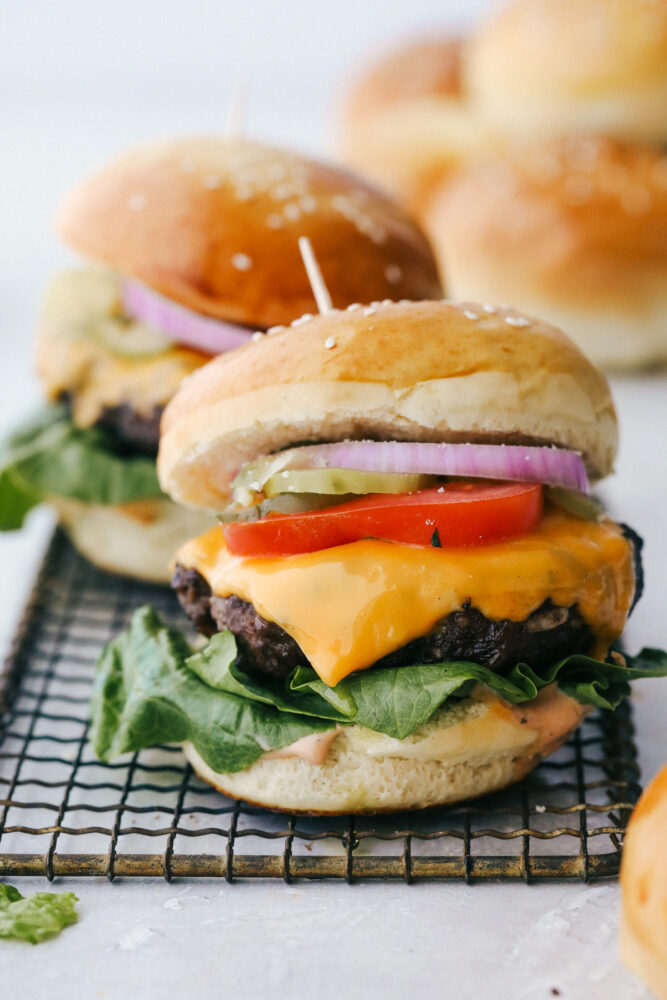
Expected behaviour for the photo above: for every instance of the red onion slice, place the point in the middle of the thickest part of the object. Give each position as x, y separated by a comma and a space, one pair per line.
549, 465
212, 336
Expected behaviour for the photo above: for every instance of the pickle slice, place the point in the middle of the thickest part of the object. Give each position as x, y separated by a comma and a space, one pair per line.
578, 504
336, 481
284, 503
130, 338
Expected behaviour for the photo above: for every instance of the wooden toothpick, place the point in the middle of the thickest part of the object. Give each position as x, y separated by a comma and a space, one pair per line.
320, 290
238, 107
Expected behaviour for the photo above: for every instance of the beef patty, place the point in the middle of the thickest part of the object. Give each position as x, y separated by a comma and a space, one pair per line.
266, 649
134, 430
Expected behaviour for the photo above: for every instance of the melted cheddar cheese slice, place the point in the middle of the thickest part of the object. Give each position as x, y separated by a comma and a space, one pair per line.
348, 606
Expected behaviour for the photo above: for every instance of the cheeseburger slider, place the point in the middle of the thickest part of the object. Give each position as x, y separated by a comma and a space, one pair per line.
574, 230
411, 598
190, 248
644, 888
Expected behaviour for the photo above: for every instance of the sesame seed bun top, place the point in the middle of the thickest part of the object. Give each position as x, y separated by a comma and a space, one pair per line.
213, 224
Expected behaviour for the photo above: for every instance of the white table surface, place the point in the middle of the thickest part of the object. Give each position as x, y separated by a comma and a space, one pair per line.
64, 107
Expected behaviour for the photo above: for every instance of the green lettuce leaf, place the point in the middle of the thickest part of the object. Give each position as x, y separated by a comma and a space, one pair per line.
145, 693
35, 918
49, 456
150, 688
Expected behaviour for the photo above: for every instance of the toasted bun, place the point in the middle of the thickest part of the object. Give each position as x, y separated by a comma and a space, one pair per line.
137, 539
463, 752
553, 66
213, 224
573, 230
422, 371
644, 889
406, 122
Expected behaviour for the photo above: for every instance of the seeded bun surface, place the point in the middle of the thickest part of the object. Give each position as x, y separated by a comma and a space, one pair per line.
213, 224
574, 230
427, 371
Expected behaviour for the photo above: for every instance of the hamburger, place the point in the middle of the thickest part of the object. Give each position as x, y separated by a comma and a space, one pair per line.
411, 597
190, 249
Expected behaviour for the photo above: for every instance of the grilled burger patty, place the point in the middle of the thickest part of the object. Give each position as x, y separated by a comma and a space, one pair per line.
548, 634
136, 431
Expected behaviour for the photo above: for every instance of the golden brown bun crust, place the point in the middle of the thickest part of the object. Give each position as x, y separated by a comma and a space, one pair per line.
644, 889
574, 230
213, 223
554, 66
406, 121
429, 371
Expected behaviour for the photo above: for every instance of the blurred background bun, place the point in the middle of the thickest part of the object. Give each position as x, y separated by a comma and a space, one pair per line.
553, 66
644, 888
406, 119
574, 230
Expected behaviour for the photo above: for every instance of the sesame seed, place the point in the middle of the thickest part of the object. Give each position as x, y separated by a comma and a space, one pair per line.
302, 319
137, 202
274, 329
330, 343
517, 321
292, 212
257, 335
489, 309
275, 221
387, 302
370, 311
308, 203
211, 181
353, 306
469, 314
241, 262
393, 273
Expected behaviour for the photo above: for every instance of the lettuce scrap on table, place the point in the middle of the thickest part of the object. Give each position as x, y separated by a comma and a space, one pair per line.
49, 456
151, 688
35, 918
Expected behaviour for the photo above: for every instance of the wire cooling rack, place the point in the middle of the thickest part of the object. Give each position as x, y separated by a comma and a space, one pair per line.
62, 812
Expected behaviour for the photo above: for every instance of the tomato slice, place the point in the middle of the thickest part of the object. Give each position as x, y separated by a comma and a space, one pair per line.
457, 514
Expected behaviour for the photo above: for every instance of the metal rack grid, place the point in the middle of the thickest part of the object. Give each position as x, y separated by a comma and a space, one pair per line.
62, 812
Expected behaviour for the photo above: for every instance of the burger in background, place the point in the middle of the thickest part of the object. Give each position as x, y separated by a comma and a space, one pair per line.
191, 249
411, 598
572, 229
541, 68
407, 121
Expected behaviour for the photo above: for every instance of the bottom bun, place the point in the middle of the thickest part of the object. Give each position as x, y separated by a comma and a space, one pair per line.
644, 889
137, 539
478, 745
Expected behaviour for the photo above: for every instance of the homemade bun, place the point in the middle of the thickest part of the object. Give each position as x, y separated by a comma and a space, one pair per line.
465, 751
406, 122
574, 230
136, 539
644, 889
213, 224
555, 66
420, 371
